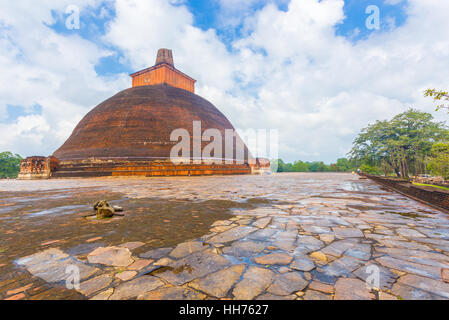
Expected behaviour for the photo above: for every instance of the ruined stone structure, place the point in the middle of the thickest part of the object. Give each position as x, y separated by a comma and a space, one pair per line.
260, 166
38, 167
129, 134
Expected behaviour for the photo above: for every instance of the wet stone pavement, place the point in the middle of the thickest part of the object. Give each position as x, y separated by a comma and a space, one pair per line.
286, 236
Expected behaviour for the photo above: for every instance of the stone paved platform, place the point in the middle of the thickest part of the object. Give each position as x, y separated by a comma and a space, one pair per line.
315, 237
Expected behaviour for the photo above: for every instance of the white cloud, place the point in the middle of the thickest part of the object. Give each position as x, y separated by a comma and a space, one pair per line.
233, 12
40, 66
330, 87
320, 89
142, 27
289, 71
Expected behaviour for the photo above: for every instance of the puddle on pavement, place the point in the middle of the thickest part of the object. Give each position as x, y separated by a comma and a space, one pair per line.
58, 210
58, 222
365, 208
331, 198
159, 270
353, 186
323, 277
411, 215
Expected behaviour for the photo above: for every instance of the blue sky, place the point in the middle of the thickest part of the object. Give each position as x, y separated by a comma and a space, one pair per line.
208, 14
310, 69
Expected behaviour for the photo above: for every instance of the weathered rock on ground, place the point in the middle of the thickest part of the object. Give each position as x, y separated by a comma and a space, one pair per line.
96, 284
232, 234
434, 287
134, 288
173, 293
113, 256
156, 253
186, 248
302, 263
316, 295
52, 265
274, 259
104, 295
126, 275
193, 266
287, 283
255, 281
219, 283
246, 248
352, 289
132, 245
262, 223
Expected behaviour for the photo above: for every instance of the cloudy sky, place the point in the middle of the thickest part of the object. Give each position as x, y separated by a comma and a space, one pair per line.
309, 68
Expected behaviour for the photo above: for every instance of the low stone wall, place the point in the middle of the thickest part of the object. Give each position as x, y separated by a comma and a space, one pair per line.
433, 196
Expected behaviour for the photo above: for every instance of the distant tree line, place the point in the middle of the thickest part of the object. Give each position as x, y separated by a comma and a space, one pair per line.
342, 165
9, 165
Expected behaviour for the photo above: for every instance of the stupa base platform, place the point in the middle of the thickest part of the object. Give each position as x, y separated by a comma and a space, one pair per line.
71, 169
142, 168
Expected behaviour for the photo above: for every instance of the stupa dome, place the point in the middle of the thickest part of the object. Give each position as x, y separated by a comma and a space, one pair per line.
137, 123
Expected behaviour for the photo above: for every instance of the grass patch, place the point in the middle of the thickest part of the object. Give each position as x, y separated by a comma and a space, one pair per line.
431, 185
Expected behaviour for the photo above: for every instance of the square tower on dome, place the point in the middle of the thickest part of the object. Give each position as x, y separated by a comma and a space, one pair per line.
163, 72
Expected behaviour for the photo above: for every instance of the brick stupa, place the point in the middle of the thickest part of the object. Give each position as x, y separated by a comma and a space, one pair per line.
129, 133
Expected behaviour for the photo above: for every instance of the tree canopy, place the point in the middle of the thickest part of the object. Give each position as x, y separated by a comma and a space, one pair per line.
439, 160
437, 97
400, 144
9, 165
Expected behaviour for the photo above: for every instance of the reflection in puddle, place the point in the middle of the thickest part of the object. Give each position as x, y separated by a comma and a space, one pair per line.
9, 209
353, 186
59, 210
84, 248
412, 215
158, 270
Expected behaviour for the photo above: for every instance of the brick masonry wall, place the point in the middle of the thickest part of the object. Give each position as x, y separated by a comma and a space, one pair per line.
98, 168
37, 167
435, 197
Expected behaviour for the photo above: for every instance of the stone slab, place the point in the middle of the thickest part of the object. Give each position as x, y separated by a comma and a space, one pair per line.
111, 256
219, 283
136, 287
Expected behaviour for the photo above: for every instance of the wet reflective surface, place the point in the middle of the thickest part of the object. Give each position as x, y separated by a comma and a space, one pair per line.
289, 236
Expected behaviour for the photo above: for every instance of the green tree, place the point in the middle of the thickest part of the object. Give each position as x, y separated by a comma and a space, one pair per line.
400, 144
344, 165
437, 97
282, 166
318, 166
366, 168
300, 166
439, 160
9, 165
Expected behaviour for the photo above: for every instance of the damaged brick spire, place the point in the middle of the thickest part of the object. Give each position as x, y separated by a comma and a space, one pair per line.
165, 56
